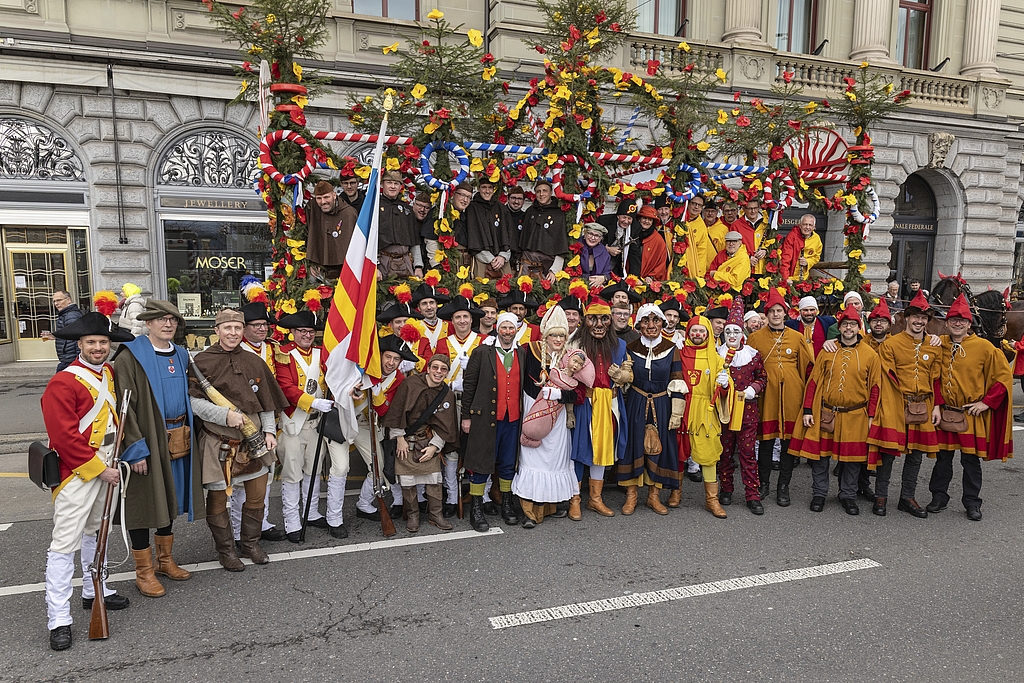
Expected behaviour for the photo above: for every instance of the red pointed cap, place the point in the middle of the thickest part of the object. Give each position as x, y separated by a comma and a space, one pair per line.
919, 305
736, 313
849, 313
774, 298
881, 310
960, 309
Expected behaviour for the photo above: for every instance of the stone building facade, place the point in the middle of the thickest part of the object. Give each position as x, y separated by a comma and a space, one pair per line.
122, 159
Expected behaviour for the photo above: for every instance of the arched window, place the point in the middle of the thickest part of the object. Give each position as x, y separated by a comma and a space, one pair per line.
210, 159
916, 199
31, 151
915, 223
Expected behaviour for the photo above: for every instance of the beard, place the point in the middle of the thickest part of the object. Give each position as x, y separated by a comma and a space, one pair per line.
598, 348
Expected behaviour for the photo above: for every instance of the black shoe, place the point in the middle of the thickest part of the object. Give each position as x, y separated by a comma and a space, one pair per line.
755, 507
60, 638
763, 491
529, 523
1019, 417
372, 516
273, 534
449, 510
817, 504
725, 497
397, 511
319, 523
866, 494
879, 507
491, 509
910, 505
696, 476
114, 601
476, 515
293, 536
559, 513
974, 514
936, 505
850, 506
341, 532
782, 496
508, 509
776, 465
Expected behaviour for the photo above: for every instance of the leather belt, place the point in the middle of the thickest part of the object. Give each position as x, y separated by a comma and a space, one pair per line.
916, 397
954, 408
844, 409
176, 421
647, 395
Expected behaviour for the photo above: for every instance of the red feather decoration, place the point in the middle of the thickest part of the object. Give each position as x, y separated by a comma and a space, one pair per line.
105, 302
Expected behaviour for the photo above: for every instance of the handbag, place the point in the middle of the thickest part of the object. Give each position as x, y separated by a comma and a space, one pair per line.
652, 442
952, 420
827, 420
915, 412
179, 439
43, 466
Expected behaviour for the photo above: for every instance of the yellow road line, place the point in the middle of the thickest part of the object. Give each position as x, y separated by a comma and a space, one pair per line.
23, 475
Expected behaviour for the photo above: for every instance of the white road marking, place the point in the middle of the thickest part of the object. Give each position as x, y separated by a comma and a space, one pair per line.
653, 597
1017, 428
5, 527
281, 557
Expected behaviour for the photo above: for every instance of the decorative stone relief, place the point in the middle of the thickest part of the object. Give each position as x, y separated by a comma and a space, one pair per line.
938, 146
752, 67
364, 41
993, 97
179, 21
209, 159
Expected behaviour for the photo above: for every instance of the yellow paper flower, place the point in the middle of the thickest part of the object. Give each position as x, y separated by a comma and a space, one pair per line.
721, 75
288, 270
827, 289
576, 231
476, 165
850, 200
722, 116
862, 267
363, 172
463, 272
392, 164
439, 255
288, 305
856, 253
562, 275
393, 47
271, 18
300, 100
684, 46
764, 282
810, 107
476, 39
613, 189
245, 86
435, 14
574, 261
840, 286
850, 96
298, 255
863, 65
703, 146
488, 72
294, 243
297, 70
555, 134
418, 90
430, 128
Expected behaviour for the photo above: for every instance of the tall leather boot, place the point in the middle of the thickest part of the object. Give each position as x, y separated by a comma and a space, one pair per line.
249, 538
220, 528
165, 564
435, 509
595, 503
575, 514
711, 503
508, 509
476, 514
411, 509
675, 499
654, 500
629, 507
144, 579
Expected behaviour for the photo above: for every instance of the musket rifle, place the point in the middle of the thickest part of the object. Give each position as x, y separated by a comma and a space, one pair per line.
99, 628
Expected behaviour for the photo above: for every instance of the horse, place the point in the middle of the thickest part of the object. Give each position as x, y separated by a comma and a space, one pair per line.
994, 319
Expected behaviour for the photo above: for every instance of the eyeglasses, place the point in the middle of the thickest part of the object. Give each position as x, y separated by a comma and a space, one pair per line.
60, 300
167, 320
259, 325
305, 332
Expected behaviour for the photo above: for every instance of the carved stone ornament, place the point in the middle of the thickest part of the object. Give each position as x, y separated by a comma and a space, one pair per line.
752, 67
938, 146
364, 41
30, 151
210, 159
993, 97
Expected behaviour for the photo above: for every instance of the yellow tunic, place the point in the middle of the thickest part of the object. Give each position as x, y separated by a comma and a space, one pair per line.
787, 358
703, 425
699, 250
735, 270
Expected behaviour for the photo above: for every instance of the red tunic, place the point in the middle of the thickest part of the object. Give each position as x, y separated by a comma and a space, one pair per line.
288, 376
509, 391
654, 261
65, 402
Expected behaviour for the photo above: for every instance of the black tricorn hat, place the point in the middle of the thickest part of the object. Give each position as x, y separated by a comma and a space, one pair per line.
304, 318
94, 324
459, 303
517, 297
671, 305
571, 303
393, 343
397, 310
255, 312
721, 312
425, 291
627, 207
619, 286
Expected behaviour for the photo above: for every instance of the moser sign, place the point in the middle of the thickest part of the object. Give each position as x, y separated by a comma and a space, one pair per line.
212, 204
220, 262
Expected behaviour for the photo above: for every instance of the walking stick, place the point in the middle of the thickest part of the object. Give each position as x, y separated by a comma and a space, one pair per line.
387, 525
99, 628
314, 479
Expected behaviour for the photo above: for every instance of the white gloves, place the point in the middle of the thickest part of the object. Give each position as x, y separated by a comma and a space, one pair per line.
322, 405
457, 384
463, 361
551, 393
406, 366
749, 393
723, 379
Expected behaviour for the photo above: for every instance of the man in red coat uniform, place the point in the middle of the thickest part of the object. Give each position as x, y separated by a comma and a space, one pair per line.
80, 413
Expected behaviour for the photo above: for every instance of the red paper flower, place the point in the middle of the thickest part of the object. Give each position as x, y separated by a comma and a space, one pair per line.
787, 76
652, 66
748, 287
742, 121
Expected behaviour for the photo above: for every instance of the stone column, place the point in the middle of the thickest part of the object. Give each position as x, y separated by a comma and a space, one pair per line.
831, 19
743, 22
980, 32
871, 23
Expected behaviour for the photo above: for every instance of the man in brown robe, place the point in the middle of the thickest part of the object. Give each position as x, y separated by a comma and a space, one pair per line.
330, 225
399, 232
245, 380
544, 240
490, 232
420, 442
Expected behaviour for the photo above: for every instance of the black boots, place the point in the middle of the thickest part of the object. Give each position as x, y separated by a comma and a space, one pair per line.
508, 510
476, 514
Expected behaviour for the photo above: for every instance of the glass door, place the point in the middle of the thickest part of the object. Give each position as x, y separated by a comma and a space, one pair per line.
911, 259
35, 274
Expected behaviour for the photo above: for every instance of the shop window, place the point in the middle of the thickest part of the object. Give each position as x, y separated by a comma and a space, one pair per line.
795, 26
392, 9
206, 261
663, 17
914, 23
30, 151
210, 159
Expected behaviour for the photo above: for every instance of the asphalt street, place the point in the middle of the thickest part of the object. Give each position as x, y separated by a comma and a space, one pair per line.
943, 604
